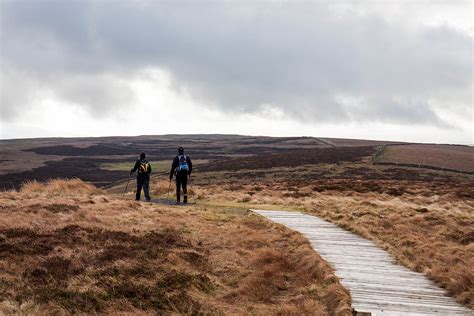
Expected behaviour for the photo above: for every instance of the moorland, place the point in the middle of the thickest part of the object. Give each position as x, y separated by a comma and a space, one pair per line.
83, 245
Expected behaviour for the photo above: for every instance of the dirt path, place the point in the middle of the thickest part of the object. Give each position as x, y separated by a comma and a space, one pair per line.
377, 283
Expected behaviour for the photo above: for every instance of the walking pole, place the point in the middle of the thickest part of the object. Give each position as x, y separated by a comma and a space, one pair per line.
125, 190
169, 188
191, 189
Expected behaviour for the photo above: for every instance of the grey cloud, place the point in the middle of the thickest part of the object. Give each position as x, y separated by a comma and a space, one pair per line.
408, 111
100, 94
14, 97
297, 57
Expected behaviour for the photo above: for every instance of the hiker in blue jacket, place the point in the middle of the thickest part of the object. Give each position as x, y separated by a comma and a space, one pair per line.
143, 176
181, 168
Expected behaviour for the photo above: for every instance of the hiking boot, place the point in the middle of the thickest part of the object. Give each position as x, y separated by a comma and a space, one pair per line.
178, 202
148, 199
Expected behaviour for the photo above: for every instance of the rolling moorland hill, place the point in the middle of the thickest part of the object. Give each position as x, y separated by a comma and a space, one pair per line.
103, 160
420, 210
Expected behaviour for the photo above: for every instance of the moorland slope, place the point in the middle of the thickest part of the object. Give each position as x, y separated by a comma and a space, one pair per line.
68, 247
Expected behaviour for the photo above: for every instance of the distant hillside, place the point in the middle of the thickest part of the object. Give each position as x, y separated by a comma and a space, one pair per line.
45, 158
105, 160
442, 157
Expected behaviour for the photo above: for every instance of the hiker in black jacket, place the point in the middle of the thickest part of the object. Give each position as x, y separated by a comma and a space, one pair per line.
181, 168
143, 176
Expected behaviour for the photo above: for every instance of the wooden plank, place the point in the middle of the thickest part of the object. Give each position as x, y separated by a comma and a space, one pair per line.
393, 287
378, 284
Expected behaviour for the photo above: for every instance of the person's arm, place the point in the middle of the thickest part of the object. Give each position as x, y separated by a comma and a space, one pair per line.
149, 170
173, 166
190, 164
135, 168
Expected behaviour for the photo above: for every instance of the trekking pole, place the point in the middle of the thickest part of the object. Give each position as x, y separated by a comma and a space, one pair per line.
126, 187
191, 189
169, 188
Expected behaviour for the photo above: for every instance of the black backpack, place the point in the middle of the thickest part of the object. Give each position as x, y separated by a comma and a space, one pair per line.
144, 166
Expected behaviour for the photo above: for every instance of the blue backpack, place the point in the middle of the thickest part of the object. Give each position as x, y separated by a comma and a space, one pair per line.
182, 164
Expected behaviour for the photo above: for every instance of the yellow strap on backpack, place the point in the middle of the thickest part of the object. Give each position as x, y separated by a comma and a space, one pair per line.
144, 167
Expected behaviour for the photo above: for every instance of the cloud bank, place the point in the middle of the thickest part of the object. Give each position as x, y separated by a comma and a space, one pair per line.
313, 63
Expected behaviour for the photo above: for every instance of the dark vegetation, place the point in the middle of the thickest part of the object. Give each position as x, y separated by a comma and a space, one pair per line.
47, 269
293, 158
154, 150
86, 169
82, 157
240, 158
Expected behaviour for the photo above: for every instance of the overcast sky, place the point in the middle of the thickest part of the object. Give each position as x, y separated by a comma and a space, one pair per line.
390, 70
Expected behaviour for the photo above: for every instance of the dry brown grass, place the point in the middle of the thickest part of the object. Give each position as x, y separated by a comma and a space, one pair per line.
59, 187
66, 247
442, 156
425, 226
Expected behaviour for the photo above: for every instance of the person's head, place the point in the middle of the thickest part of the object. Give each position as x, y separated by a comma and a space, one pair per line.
180, 150
142, 155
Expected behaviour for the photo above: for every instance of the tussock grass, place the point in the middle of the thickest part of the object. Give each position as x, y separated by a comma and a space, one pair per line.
66, 247
59, 187
161, 187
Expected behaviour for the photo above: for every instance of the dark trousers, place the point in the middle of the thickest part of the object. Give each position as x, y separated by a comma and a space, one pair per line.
143, 181
182, 181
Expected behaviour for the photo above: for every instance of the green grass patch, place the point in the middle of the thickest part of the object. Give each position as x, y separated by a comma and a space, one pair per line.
156, 166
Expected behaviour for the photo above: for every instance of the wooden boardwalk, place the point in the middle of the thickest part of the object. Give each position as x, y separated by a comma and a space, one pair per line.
378, 285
